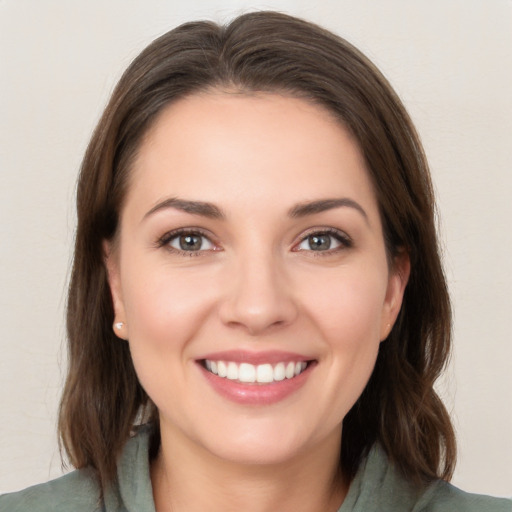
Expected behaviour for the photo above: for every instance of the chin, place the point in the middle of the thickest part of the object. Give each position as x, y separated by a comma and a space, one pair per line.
262, 454
269, 443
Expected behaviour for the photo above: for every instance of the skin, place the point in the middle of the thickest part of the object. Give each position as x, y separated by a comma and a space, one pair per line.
255, 285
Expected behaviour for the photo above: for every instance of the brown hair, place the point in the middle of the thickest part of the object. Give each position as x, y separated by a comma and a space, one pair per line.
264, 51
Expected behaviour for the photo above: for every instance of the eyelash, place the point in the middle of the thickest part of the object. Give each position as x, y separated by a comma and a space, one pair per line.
165, 240
343, 239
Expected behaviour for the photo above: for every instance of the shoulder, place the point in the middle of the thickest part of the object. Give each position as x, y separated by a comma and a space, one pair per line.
444, 497
79, 492
76, 491
380, 486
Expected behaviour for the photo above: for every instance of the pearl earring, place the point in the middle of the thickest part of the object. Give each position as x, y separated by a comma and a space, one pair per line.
119, 325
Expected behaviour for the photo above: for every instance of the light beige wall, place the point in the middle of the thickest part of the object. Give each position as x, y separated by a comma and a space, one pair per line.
451, 61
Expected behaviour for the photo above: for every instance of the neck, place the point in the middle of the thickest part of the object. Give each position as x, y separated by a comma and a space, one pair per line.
186, 478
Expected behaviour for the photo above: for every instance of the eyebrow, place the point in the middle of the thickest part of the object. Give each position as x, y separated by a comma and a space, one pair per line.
211, 211
195, 207
322, 205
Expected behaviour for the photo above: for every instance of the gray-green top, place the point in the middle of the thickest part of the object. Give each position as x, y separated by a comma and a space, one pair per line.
378, 487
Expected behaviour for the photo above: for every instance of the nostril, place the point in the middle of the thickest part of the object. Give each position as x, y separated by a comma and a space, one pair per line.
258, 314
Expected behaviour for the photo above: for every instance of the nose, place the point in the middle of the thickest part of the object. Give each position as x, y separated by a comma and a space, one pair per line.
259, 296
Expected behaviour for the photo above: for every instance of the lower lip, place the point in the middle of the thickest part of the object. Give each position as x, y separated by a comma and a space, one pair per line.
257, 394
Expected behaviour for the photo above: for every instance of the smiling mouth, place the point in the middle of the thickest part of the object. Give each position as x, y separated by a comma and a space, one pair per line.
255, 374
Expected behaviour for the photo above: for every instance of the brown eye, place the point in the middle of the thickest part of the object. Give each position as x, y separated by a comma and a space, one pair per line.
324, 241
191, 242
319, 242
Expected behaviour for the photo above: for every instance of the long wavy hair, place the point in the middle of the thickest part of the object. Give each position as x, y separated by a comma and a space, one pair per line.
270, 52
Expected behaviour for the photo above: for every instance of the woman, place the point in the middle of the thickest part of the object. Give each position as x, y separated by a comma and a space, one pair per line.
257, 312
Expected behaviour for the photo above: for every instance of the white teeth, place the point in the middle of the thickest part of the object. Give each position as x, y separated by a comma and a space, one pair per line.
232, 371
290, 370
222, 369
279, 371
262, 373
247, 372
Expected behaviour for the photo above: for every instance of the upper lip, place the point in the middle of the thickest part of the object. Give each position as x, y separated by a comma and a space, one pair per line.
255, 358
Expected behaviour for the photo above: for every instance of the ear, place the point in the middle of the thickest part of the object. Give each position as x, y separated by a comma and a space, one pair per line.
398, 278
111, 262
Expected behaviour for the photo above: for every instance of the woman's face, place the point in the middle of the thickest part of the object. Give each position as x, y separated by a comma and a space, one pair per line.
251, 275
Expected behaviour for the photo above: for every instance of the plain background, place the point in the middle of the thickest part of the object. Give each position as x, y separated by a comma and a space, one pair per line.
451, 62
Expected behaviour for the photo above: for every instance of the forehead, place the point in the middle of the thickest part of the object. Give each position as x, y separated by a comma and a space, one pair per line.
258, 147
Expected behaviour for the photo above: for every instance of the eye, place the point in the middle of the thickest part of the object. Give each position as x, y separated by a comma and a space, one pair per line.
187, 241
324, 241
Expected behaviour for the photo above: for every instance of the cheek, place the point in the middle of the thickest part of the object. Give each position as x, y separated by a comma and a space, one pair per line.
164, 308
349, 306
347, 312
